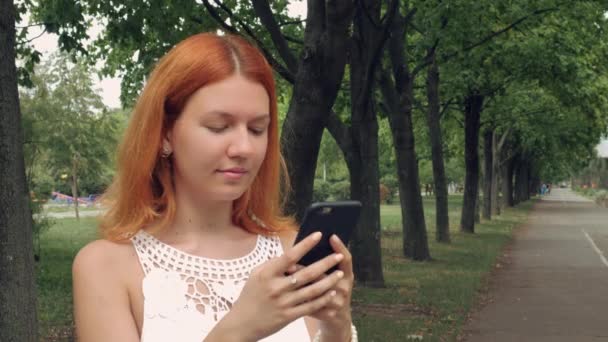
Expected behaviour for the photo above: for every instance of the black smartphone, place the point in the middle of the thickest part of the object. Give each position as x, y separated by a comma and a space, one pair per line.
330, 218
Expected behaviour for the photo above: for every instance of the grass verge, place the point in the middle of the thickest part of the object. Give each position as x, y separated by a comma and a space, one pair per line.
429, 299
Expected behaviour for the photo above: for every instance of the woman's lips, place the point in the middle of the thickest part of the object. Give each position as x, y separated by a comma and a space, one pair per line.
233, 174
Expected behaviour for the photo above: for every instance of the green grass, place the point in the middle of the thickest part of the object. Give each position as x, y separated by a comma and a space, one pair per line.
58, 246
68, 208
430, 299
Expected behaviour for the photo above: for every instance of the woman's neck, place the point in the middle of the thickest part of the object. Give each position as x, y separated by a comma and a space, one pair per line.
198, 219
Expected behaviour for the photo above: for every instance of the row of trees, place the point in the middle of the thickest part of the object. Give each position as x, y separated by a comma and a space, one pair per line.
520, 83
593, 176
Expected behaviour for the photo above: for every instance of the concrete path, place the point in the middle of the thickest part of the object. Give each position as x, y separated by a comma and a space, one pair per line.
554, 285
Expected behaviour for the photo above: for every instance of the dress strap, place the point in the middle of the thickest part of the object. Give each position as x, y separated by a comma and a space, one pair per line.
143, 247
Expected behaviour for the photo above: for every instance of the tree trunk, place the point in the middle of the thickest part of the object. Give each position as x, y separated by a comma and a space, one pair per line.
364, 185
75, 186
318, 79
18, 315
487, 174
363, 162
441, 189
533, 181
473, 106
415, 242
359, 142
522, 186
507, 183
494, 193
516, 183
399, 97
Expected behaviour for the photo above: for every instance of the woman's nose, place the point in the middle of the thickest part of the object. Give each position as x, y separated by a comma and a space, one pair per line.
241, 144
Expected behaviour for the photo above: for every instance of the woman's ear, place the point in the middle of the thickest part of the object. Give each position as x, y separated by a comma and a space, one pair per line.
167, 147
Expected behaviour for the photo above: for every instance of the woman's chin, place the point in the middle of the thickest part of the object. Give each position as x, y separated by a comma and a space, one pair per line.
229, 196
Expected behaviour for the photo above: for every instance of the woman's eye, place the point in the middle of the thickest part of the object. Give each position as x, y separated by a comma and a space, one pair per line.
257, 131
217, 129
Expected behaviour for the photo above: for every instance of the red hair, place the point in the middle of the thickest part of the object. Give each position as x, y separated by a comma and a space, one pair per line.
142, 190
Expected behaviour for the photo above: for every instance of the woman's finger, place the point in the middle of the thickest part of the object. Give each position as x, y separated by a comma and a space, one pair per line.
316, 289
294, 254
346, 265
311, 273
309, 307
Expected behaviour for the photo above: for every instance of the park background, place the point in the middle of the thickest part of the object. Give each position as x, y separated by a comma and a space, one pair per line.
443, 117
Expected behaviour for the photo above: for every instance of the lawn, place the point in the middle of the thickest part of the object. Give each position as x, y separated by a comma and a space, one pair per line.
58, 246
431, 300
428, 299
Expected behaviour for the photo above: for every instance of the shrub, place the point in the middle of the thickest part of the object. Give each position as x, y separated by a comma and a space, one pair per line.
340, 191
392, 186
321, 190
601, 198
385, 194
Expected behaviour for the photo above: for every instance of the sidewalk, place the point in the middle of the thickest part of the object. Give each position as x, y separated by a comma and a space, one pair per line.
554, 284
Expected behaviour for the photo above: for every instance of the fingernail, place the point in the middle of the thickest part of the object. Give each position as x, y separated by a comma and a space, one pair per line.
340, 274
336, 238
339, 257
317, 236
332, 293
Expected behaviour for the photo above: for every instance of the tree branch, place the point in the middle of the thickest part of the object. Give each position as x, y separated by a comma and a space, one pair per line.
340, 132
217, 18
497, 33
388, 90
446, 106
377, 52
292, 22
38, 36
32, 25
293, 40
503, 139
276, 65
264, 12
368, 16
396, 49
430, 55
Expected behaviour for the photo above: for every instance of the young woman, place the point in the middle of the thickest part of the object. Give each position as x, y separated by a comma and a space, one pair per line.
195, 247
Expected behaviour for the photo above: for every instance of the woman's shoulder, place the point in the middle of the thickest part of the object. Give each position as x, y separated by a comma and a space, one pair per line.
103, 258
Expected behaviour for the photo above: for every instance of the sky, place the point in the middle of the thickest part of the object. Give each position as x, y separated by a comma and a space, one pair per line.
110, 87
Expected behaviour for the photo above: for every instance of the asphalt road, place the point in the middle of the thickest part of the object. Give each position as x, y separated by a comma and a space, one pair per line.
554, 283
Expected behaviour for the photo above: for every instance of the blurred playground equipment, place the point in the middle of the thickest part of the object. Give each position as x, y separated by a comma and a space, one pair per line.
59, 198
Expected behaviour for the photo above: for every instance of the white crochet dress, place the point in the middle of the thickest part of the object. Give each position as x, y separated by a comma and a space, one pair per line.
186, 295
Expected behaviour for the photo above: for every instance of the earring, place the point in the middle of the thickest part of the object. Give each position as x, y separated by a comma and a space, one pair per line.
256, 219
166, 152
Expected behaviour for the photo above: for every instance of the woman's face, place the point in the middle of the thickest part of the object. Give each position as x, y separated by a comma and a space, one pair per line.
220, 138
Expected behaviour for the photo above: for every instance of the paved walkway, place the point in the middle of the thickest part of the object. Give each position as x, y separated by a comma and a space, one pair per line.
554, 286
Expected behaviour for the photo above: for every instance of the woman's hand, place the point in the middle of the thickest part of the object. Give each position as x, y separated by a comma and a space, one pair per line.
270, 300
335, 317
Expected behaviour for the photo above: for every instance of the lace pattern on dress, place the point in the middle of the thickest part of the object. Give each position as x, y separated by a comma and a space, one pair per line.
190, 290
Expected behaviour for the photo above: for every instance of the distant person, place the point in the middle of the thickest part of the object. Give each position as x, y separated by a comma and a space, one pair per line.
195, 245
543, 189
